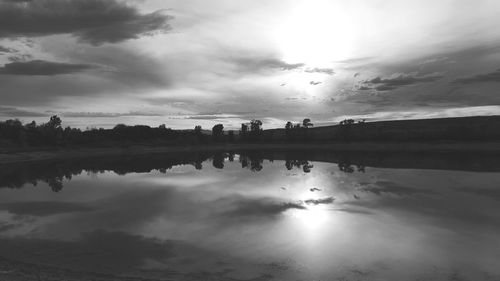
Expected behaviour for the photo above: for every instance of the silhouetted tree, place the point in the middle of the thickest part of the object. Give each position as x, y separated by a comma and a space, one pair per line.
255, 125
218, 132
54, 122
306, 123
255, 129
197, 130
244, 131
288, 129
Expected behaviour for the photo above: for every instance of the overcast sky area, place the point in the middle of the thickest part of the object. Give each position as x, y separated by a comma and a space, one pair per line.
183, 63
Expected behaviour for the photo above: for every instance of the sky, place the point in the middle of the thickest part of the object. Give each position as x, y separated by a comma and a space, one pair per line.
97, 63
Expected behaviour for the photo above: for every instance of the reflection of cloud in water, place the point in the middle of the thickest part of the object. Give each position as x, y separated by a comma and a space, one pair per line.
261, 207
99, 251
250, 217
389, 187
43, 208
493, 193
327, 200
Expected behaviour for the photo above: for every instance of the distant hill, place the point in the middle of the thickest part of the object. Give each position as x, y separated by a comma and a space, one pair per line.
477, 128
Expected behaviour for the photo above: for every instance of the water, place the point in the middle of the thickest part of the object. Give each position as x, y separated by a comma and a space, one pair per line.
253, 216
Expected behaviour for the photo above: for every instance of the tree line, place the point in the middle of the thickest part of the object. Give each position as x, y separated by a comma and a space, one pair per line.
14, 133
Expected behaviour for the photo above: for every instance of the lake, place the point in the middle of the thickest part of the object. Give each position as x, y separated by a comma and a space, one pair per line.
248, 215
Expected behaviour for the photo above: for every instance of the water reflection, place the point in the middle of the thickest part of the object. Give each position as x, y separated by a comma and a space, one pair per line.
300, 215
54, 173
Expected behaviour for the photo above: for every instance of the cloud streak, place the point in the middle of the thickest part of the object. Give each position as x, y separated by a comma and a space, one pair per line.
42, 67
480, 78
16, 112
261, 63
399, 80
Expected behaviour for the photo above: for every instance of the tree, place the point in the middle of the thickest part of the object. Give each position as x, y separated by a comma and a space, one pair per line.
306, 123
197, 130
120, 127
255, 126
217, 131
288, 129
244, 130
162, 126
54, 122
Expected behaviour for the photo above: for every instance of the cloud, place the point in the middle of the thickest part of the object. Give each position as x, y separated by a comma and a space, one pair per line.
43, 208
106, 114
480, 78
16, 112
7, 50
327, 200
119, 251
328, 71
314, 83
487, 192
399, 80
389, 187
260, 63
91, 21
41, 67
261, 207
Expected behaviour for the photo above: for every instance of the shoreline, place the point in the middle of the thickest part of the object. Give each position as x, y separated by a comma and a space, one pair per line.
84, 152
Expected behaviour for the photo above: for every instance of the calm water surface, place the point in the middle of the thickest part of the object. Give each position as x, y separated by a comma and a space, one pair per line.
240, 217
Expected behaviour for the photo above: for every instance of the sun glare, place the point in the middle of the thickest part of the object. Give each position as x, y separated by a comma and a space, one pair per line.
316, 33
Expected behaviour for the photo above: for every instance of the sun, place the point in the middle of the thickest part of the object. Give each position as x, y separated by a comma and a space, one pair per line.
316, 33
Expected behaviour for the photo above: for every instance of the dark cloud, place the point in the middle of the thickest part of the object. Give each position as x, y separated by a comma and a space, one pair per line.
327, 200
314, 83
7, 50
481, 78
400, 80
111, 75
43, 208
328, 71
260, 63
41, 67
4, 226
20, 58
91, 21
16, 112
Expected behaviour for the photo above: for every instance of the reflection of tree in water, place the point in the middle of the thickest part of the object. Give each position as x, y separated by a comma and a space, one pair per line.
56, 183
55, 172
346, 167
219, 158
252, 162
218, 161
306, 167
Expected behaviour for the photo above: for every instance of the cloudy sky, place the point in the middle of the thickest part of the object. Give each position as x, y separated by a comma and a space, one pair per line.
188, 62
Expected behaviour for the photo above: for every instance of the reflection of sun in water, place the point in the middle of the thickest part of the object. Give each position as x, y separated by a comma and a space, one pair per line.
316, 33
312, 218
